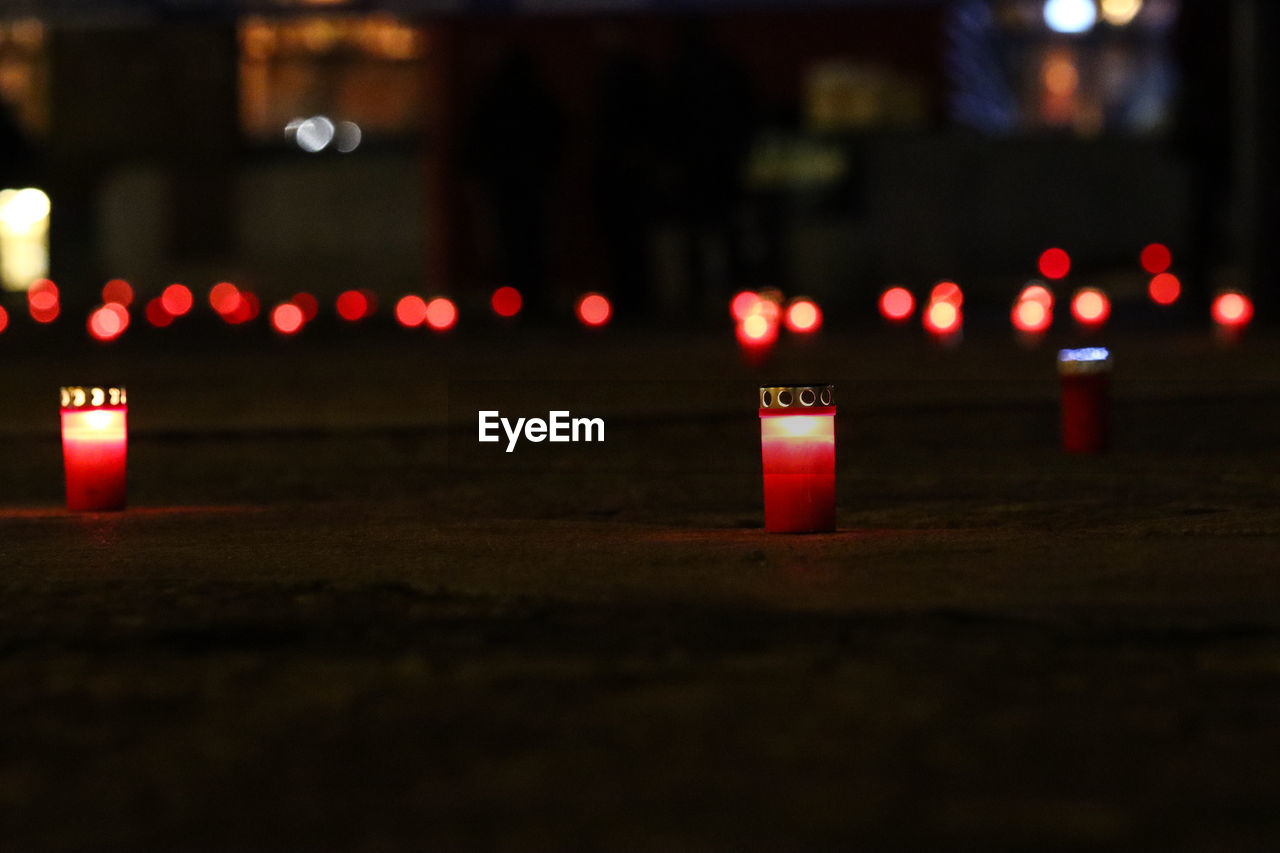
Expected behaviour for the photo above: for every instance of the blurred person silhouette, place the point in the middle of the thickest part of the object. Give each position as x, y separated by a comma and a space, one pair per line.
511, 145
624, 167
709, 119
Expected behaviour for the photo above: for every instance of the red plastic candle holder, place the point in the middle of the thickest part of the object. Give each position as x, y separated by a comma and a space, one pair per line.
94, 439
798, 449
1086, 399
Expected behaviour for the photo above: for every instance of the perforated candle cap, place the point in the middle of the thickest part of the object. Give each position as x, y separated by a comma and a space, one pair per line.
92, 396
797, 397
1079, 362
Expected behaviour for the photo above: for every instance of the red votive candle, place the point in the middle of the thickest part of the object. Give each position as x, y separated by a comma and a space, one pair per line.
1086, 399
798, 448
94, 437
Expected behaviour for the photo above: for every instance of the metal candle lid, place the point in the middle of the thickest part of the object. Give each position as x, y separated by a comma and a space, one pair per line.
796, 396
92, 396
1084, 362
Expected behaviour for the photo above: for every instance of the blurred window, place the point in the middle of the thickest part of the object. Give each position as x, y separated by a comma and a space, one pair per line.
1084, 66
24, 74
363, 71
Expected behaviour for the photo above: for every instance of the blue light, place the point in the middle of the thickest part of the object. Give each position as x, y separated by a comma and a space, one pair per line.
1086, 354
1070, 16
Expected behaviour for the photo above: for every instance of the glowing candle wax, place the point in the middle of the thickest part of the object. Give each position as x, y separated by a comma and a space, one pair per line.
1086, 399
93, 447
798, 449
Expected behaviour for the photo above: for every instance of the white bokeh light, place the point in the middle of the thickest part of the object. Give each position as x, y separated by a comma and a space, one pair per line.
347, 136
315, 134
1070, 16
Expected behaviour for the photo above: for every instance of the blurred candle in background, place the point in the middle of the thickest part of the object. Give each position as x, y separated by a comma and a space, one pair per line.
798, 449
1086, 399
94, 438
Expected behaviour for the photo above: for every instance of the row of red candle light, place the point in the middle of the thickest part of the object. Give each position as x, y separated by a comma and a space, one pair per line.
237, 306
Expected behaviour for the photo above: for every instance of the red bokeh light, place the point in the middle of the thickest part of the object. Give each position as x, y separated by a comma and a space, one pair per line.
245, 309
177, 300
743, 303
106, 323
506, 301
287, 318
1039, 293
594, 310
1165, 288
442, 314
947, 291
224, 297
803, 316
942, 318
157, 314
42, 301
411, 310
1031, 315
1055, 264
308, 304
756, 330
118, 290
370, 302
1090, 307
352, 305
1232, 309
1156, 258
897, 304
4, 319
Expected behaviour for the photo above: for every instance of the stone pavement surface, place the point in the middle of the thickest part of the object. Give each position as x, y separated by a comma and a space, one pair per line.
332, 620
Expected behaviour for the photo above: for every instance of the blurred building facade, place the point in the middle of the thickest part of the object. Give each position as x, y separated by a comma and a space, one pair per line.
317, 148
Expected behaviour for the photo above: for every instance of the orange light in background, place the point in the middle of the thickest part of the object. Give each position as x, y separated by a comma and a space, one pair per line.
1164, 288
411, 310
308, 304
743, 303
287, 318
1055, 264
897, 304
593, 310
441, 314
224, 297
118, 290
157, 314
1038, 293
803, 316
106, 324
506, 301
1232, 309
1156, 258
177, 299
1090, 307
1031, 315
947, 291
757, 330
352, 305
942, 318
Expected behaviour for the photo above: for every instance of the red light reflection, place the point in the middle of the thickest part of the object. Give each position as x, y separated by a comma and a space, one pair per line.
287, 318
1055, 264
506, 302
411, 310
897, 304
441, 314
177, 299
1091, 307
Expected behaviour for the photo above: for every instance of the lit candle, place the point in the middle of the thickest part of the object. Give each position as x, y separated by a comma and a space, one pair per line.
798, 448
1086, 399
93, 447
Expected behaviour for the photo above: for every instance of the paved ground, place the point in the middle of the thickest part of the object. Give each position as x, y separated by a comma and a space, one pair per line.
332, 620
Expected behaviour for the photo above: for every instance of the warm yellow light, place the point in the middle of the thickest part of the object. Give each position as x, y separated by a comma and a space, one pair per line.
24, 237
1119, 13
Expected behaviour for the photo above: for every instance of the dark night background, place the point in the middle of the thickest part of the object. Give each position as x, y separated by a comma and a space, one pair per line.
330, 619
